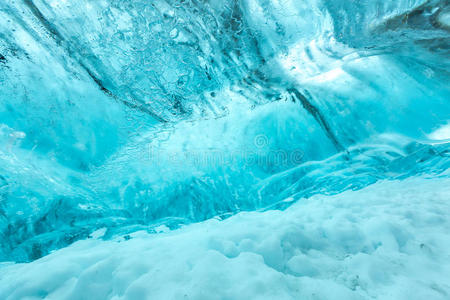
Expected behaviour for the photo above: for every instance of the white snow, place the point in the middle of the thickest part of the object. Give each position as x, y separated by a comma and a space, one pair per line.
390, 240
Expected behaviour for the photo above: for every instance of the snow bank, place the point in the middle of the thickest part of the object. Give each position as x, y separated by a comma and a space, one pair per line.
390, 240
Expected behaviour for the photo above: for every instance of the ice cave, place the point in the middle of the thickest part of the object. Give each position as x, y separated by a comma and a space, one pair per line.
224, 149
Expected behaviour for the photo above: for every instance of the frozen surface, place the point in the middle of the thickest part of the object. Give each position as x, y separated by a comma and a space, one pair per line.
387, 241
245, 128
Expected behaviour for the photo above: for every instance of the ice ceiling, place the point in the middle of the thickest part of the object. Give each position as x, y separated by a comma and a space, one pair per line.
126, 115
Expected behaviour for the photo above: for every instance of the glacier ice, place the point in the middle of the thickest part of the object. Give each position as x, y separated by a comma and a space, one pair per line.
119, 117
385, 241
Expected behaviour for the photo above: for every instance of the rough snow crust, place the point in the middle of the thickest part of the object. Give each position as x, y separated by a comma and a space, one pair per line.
390, 240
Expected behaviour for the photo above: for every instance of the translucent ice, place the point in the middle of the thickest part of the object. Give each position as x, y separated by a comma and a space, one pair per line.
123, 116
386, 241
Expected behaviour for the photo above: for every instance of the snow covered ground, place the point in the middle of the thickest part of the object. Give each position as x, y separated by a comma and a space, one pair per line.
390, 240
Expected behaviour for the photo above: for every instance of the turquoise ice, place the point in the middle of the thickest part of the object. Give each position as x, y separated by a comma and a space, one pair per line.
126, 125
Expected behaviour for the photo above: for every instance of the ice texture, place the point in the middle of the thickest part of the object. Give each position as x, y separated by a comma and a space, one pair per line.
119, 117
387, 241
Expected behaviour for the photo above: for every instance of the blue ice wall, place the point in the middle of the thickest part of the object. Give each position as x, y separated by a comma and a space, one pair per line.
132, 114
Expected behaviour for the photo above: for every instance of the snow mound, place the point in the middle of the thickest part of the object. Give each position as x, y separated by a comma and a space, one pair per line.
387, 241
